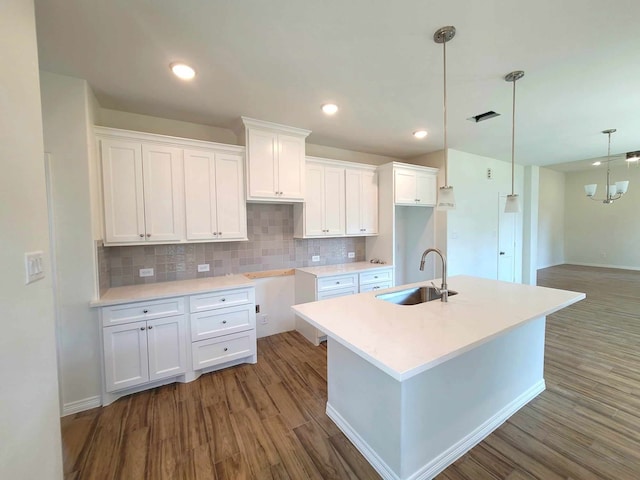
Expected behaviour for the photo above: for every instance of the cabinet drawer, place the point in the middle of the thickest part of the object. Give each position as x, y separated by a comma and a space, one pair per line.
338, 292
377, 276
374, 286
134, 312
337, 282
218, 322
215, 351
222, 299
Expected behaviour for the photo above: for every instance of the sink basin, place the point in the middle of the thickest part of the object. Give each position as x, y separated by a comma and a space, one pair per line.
413, 296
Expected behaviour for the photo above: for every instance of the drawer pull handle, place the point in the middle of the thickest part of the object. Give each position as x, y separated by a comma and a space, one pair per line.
223, 299
337, 283
376, 287
145, 311
142, 235
225, 349
148, 235
141, 328
149, 327
376, 276
224, 321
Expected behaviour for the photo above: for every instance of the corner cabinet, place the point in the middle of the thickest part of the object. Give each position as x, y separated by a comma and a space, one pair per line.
415, 186
275, 161
159, 189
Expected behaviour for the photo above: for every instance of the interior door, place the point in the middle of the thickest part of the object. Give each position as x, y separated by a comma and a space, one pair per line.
506, 242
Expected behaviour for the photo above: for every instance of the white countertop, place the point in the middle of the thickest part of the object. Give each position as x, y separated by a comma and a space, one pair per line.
152, 291
355, 267
405, 340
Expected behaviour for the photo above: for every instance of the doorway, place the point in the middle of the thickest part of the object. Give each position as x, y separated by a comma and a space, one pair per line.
506, 254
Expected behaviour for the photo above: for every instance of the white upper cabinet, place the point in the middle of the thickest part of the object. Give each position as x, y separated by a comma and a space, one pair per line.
214, 196
163, 194
275, 161
123, 191
323, 213
361, 186
149, 190
415, 186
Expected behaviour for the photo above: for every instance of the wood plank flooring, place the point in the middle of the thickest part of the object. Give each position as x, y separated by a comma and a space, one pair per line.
267, 421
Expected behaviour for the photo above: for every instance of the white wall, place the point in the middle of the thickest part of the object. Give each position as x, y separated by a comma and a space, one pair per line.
66, 102
598, 234
30, 445
472, 228
551, 218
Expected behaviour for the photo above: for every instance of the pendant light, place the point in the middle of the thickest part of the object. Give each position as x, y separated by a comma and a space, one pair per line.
613, 191
446, 199
512, 205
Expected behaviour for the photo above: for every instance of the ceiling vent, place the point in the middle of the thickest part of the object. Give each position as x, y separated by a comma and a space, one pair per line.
483, 116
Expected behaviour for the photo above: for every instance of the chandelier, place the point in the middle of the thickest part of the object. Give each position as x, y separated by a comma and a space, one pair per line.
613, 191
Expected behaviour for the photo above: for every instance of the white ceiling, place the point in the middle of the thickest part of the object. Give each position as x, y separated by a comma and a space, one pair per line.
279, 60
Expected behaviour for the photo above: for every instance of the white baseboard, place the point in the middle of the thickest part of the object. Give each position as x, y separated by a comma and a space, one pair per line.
81, 405
446, 458
540, 267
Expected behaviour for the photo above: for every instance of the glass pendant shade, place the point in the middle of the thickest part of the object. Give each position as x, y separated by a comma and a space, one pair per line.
512, 205
590, 189
613, 190
446, 198
622, 186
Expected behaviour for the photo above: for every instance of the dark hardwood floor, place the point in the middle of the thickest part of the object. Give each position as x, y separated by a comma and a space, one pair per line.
267, 421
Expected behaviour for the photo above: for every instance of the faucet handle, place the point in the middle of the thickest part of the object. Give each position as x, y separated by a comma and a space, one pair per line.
438, 290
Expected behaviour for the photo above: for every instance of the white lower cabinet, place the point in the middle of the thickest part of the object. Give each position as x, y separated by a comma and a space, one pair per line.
223, 328
146, 344
145, 351
311, 287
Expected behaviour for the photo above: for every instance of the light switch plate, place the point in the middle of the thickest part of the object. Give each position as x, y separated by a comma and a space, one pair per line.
146, 272
315, 258
34, 267
351, 254
203, 267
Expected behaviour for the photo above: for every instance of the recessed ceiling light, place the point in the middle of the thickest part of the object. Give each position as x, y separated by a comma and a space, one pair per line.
420, 133
329, 108
596, 164
183, 71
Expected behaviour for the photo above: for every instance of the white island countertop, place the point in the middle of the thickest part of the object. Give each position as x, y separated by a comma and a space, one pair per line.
176, 288
405, 340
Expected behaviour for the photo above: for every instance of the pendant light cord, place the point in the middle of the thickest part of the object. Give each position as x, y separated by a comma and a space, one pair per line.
608, 160
513, 139
444, 110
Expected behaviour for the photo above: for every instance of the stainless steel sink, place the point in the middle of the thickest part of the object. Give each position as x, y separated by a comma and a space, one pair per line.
413, 296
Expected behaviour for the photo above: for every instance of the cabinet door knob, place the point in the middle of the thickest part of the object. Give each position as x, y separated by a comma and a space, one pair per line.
145, 311
142, 235
337, 283
141, 328
219, 233
148, 235
215, 234
149, 327
223, 299
225, 349
376, 276
224, 321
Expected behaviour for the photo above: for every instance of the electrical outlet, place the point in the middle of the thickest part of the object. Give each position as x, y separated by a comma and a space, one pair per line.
315, 258
203, 267
257, 308
146, 272
264, 319
351, 254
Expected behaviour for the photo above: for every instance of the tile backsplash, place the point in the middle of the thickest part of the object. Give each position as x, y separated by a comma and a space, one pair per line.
271, 246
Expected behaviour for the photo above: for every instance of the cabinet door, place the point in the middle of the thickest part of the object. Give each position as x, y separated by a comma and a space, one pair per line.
369, 203
426, 190
200, 195
291, 168
261, 164
353, 199
334, 195
314, 201
167, 347
405, 187
231, 208
163, 193
123, 191
125, 355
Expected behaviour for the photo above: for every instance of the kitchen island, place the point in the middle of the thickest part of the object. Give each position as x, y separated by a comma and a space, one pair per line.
416, 386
